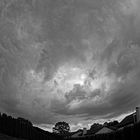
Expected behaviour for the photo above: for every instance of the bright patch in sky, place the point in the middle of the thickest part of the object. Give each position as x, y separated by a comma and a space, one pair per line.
69, 60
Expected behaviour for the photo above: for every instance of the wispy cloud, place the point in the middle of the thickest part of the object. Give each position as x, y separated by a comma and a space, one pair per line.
69, 60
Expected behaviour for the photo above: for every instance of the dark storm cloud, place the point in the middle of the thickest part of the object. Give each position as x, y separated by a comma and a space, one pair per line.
38, 37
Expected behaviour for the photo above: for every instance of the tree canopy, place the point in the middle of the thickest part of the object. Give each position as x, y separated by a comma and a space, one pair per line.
61, 128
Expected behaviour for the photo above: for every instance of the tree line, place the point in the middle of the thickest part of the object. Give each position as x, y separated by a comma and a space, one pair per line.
22, 128
127, 133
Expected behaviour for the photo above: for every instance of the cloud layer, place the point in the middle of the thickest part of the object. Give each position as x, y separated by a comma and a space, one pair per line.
69, 59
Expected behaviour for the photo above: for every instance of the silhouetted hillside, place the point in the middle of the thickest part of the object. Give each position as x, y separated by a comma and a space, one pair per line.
22, 128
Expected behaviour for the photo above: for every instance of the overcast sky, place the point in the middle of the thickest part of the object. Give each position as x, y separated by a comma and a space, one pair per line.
69, 60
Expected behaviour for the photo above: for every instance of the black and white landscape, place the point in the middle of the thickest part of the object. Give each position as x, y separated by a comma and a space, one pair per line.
73, 61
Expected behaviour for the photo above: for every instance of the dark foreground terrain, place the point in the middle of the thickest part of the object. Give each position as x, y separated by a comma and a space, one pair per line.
22, 129
5, 137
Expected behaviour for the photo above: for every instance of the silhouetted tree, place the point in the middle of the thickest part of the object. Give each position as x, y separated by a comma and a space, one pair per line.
61, 128
22, 128
95, 127
113, 123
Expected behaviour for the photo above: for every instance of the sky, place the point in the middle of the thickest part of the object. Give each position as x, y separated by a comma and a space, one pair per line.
69, 60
